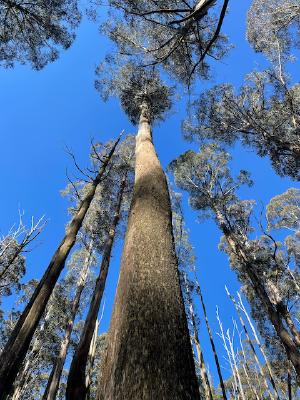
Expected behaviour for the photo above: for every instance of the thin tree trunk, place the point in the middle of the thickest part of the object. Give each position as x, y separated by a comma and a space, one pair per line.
53, 381
31, 360
290, 323
19, 341
254, 351
222, 335
198, 289
274, 315
91, 358
247, 369
195, 339
281, 308
149, 353
76, 385
235, 366
289, 384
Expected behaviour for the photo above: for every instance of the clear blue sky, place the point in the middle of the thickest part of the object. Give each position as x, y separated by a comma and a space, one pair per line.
41, 112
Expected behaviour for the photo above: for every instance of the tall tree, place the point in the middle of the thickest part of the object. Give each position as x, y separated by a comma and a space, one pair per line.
57, 369
19, 341
178, 35
76, 386
149, 353
207, 178
118, 186
264, 115
33, 32
187, 262
93, 234
12, 249
274, 25
45, 342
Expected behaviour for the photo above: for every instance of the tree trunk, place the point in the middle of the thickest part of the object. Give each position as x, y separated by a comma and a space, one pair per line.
31, 362
195, 339
274, 315
76, 385
198, 289
254, 351
91, 359
149, 353
19, 341
278, 302
53, 381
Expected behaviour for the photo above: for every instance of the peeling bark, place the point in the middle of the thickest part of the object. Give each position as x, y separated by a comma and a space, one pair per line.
149, 353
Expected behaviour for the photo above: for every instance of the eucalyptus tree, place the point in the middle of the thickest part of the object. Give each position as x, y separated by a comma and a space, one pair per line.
274, 27
264, 115
260, 267
76, 386
176, 34
12, 249
95, 367
283, 212
45, 343
187, 265
33, 32
117, 187
19, 341
83, 258
149, 352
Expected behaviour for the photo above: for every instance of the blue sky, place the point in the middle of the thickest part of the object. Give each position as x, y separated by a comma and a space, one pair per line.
43, 111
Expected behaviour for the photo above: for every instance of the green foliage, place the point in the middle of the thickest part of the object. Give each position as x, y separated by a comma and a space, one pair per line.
32, 32
134, 86
206, 176
274, 27
264, 115
176, 34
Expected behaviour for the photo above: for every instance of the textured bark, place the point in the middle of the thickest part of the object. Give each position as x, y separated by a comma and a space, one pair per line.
24, 375
196, 340
19, 341
275, 316
76, 385
212, 343
53, 381
203, 372
149, 352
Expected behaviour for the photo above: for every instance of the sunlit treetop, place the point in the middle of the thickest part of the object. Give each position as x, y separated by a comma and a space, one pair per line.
264, 114
134, 86
33, 32
284, 210
206, 176
274, 27
180, 35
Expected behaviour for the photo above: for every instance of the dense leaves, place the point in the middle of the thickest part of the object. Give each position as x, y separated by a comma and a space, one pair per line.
134, 85
264, 115
262, 261
177, 34
274, 27
33, 32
